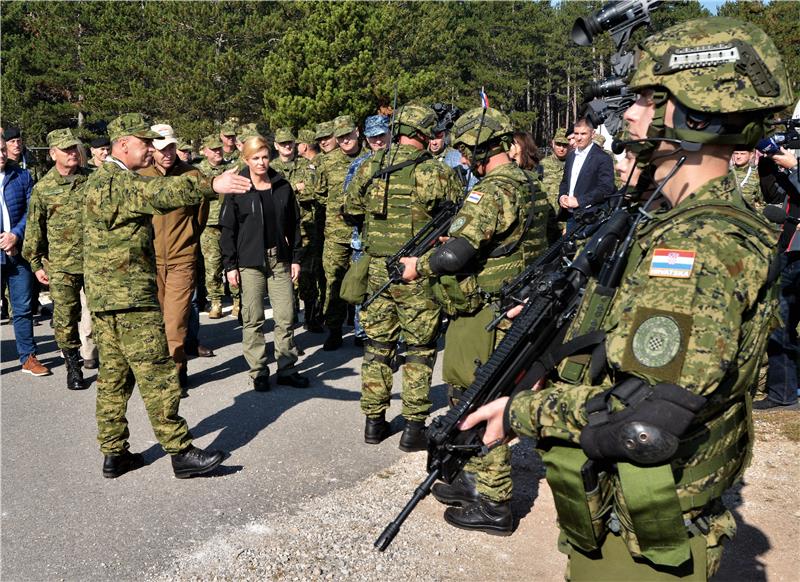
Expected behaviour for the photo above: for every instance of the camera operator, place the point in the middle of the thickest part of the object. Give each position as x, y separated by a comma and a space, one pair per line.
780, 184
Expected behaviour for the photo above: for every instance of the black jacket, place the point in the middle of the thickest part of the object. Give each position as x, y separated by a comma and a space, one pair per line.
241, 220
596, 180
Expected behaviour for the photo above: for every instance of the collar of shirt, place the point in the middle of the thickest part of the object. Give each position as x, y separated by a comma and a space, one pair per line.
116, 161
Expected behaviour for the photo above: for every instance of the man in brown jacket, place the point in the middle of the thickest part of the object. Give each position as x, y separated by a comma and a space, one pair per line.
177, 236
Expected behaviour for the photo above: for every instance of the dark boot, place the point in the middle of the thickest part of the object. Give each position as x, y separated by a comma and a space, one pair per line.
376, 429
483, 515
414, 437
74, 370
334, 341
462, 491
193, 461
183, 380
117, 465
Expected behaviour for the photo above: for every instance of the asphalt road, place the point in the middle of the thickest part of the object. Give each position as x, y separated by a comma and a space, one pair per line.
61, 520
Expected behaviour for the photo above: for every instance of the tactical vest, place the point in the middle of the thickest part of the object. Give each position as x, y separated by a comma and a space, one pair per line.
652, 502
393, 214
507, 256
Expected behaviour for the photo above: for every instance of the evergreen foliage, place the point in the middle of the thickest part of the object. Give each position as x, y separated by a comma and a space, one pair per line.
196, 64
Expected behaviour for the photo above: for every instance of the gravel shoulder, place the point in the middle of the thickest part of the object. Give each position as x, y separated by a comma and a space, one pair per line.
331, 537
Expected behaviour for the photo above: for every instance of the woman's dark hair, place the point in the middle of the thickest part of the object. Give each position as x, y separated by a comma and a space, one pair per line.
528, 152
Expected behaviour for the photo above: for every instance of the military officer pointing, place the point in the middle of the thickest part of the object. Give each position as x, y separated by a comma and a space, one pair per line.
638, 460
120, 277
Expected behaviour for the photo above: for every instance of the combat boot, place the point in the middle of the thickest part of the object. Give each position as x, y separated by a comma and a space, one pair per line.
462, 491
414, 437
216, 309
491, 517
237, 307
334, 340
74, 369
193, 461
311, 317
117, 465
376, 429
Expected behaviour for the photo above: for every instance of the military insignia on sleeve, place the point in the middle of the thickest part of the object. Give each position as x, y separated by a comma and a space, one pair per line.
672, 263
657, 343
457, 225
474, 197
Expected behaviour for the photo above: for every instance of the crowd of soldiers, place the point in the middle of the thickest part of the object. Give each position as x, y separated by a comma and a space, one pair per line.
680, 348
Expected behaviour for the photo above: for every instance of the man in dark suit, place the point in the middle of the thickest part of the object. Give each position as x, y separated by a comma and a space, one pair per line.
588, 174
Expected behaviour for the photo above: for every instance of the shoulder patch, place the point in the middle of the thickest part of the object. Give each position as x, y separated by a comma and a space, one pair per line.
658, 343
672, 263
474, 197
457, 225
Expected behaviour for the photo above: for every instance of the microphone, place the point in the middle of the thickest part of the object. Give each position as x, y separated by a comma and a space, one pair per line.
778, 215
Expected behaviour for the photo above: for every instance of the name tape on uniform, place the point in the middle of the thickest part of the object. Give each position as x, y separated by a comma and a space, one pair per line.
673, 263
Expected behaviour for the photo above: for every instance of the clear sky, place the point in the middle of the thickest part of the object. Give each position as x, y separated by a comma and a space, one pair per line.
712, 5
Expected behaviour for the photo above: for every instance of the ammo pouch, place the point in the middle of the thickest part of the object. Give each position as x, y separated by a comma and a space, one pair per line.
468, 333
457, 295
356, 280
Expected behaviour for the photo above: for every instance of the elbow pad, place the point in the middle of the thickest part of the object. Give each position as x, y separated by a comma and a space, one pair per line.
452, 256
647, 431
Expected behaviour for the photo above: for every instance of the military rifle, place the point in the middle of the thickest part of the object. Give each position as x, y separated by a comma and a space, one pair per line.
422, 242
530, 350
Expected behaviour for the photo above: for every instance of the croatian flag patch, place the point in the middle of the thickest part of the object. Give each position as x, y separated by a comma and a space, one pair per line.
474, 197
672, 263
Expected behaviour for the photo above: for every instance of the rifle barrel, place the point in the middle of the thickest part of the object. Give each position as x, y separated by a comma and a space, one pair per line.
394, 528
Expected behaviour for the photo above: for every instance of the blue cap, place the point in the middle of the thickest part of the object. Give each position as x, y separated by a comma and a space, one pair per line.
376, 125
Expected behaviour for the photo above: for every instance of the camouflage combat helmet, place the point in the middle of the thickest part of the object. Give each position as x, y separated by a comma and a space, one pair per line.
411, 118
492, 125
713, 66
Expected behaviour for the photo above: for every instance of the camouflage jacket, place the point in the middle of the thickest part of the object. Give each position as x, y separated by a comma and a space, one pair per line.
54, 231
329, 191
694, 309
211, 172
394, 215
553, 172
119, 261
493, 216
750, 186
298, 172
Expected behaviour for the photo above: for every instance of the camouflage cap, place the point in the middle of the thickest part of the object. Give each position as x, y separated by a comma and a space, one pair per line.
481, 125
599, 139
343, 125
717, 65
305, 136
134, 124
418, 117
561, 135
212, 141
228, 128
284, 134
247, 130
324, 129
184, 145
376, 125
62, 139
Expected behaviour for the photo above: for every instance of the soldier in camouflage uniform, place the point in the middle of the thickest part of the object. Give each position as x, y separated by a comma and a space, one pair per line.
667, 421
120, 277
553, 166
299, 173
227, 135
213, 164
746, 175
503, 217
392, 211
54, 247
329, 191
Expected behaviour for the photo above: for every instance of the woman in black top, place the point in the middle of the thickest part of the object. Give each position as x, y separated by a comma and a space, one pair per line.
261, 252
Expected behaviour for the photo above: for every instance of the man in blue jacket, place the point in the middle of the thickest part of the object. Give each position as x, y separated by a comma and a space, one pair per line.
16, 272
